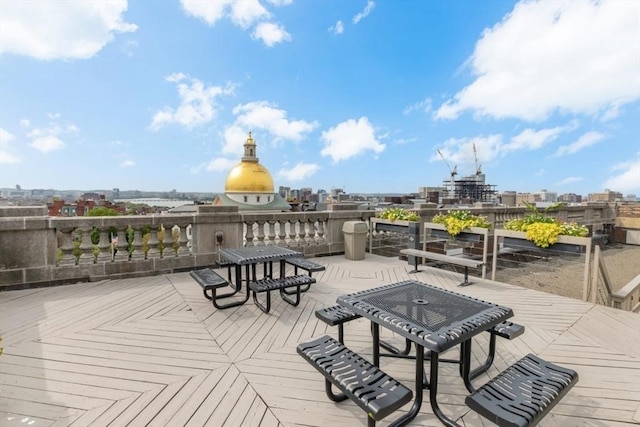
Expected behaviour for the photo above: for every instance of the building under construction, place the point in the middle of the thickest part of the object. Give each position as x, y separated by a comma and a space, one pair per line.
469, 189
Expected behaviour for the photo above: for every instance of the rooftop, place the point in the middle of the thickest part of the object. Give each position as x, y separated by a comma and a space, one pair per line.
154, 351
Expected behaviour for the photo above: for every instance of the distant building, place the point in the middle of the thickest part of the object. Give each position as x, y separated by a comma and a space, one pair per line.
249, 185
570, 198
525, 197
546, 196
606, 196
508, 198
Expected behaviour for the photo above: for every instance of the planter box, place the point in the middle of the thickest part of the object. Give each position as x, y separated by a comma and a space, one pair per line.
476, 241
518, 240
397, 226
471, 234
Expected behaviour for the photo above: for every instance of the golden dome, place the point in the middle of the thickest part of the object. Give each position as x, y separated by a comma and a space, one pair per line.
249, 177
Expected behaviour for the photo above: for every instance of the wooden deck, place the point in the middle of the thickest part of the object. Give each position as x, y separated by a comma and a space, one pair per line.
153, 351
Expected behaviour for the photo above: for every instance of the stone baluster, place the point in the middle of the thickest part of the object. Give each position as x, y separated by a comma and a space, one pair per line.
85, 245
122, 245
310, 232
300, 232
261, 234
320, 231
248, 238
104, 245
282, 233
65, 244
271, 232
184, 242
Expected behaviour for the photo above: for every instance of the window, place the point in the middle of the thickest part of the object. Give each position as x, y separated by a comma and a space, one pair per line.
258, 199
245, 199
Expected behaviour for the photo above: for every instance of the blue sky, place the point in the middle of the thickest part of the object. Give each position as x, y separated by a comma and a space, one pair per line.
359, 94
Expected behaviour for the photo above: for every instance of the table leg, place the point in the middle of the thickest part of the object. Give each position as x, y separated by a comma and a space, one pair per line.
417, 403
433, 392
238, 288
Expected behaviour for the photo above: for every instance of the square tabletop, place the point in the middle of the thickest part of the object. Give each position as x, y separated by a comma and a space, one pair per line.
257, 254
433, 317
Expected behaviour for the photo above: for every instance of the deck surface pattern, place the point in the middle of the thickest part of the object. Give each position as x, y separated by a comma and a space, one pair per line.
153, 351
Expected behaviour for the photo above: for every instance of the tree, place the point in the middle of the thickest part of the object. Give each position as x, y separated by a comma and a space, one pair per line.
102, 211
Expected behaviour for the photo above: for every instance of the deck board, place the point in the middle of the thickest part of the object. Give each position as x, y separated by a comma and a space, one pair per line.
153, 351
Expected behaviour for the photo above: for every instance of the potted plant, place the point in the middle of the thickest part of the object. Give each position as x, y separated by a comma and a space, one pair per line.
146, 237
175, 234
130, 236
457, 222
161, 236
77, 241
95, 239
544, 230
398, 214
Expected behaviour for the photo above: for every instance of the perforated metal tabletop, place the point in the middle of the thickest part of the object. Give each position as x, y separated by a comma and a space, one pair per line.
257, 254
432, 317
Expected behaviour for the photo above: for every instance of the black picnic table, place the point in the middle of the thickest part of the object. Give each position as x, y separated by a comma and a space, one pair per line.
433, 318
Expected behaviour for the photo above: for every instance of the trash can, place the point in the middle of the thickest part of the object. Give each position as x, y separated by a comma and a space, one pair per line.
355, 239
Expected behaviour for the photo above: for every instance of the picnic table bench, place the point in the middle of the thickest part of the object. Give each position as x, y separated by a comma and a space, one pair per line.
269, 284
210, 281
524, 393
440, 258
377, 393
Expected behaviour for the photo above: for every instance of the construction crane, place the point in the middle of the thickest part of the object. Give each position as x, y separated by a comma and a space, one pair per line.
453, 173
475, 155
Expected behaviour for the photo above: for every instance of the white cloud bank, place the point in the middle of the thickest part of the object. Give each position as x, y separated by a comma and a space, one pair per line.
626, 178
299, 172
263, 115
197, 103
6, 155
571, 56
49, 29
365, 12
350, 138
586, 140
47, 139
244, 14
338, 28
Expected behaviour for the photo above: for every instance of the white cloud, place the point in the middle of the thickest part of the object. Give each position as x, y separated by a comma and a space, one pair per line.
60, 29
367, 10
338, 28
244, 14
6, 156
586, 140
349, 139
627, 178
459, 151
197, 103
220, 165
530, 139
127, 164
234, 138
299, 172
280, 2
424, 105
47, 143
264, 115
270, 33
569, 180
554, 56
48, 139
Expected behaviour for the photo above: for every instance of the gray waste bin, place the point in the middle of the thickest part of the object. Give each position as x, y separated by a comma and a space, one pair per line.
355, 239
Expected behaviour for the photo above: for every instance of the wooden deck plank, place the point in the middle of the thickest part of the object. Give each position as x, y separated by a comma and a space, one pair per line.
154, 351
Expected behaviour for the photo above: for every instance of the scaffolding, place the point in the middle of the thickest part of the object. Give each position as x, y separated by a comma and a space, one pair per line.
470, 189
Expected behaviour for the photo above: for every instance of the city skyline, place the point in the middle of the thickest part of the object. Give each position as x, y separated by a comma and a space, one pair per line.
359, 95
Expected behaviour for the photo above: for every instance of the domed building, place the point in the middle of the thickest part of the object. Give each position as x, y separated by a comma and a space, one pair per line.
249, 185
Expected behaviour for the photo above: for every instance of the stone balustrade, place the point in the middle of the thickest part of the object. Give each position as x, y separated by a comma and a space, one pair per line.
36, 249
